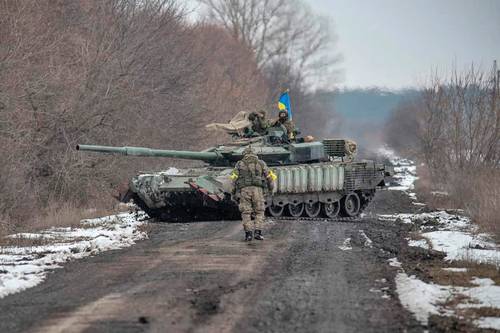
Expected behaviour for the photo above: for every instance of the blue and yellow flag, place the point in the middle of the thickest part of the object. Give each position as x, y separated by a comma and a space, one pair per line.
284, 103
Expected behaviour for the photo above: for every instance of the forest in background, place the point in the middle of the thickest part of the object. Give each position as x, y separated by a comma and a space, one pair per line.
452, 129
131, 72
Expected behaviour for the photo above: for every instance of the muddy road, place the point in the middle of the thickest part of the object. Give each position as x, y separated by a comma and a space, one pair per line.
307, 276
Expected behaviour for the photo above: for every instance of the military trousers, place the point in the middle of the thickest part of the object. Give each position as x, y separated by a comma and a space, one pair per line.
252, 202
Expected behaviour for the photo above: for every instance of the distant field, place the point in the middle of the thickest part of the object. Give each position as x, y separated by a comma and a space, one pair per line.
366, 104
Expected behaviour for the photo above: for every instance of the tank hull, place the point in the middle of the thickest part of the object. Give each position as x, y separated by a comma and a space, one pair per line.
326, 190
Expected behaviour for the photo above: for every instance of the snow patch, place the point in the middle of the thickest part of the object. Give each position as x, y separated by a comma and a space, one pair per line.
26, 267
405, 172
172, 171
459, 245
452, 234
420, 298
394, 262
367, 241
488, 322
483, 282
346, 246
455, 269
418, 243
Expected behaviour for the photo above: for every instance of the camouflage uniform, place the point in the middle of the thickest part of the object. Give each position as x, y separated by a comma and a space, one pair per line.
251, 177
259, 123
287, 124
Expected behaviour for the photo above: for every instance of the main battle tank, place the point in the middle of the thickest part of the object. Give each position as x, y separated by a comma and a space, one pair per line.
314, 179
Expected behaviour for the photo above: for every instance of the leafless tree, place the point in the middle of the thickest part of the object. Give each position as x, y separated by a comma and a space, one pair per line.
279, 31
456, 122
114, 72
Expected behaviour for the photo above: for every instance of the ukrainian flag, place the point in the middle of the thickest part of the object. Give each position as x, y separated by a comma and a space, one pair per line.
284, 104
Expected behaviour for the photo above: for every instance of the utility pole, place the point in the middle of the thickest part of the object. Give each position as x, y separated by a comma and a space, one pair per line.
496, 76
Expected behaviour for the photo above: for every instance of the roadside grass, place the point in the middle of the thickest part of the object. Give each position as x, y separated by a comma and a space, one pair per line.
477, 193
483, 311
484, 205
54, 215
25, 241
445, 277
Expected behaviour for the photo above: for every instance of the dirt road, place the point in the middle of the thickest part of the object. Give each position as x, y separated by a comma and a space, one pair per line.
201, 277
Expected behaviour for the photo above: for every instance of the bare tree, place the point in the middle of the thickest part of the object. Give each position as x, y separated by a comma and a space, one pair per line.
456, 122
279, 31
115, 72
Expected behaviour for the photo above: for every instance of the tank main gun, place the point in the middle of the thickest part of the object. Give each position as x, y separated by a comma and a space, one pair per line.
148, 152
268, 148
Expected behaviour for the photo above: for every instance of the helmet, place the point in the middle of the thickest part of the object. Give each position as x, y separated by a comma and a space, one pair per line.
283, 113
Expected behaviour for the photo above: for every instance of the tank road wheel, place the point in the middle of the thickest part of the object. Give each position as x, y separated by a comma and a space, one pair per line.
350, 205
313, 209
331, 209
275, 210
296, 210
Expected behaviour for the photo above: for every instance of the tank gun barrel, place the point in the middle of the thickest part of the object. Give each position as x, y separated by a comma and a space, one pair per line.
148, 152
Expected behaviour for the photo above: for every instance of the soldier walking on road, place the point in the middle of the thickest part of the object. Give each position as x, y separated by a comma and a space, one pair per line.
251, 178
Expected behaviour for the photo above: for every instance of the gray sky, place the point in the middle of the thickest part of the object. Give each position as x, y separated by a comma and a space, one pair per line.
396, 43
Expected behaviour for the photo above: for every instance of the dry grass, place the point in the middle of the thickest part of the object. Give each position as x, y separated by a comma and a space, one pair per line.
25, 241
54, 215
484, 206
443, 277
479, 312
426, 185
477, 192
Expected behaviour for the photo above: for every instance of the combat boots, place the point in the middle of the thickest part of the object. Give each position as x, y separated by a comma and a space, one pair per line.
258, 235
248, 236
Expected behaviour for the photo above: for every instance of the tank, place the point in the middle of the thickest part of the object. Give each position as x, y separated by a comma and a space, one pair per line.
316, 179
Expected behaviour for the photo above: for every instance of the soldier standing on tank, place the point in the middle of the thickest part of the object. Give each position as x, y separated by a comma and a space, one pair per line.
251, 178
286, 123
259, 122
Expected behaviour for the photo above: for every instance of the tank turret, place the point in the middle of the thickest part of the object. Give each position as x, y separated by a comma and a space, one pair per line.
271, 148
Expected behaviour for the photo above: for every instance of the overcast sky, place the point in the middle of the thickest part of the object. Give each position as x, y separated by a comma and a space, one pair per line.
396, 43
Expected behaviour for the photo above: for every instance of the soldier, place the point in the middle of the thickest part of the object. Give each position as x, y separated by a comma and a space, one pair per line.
259, 122
286, 123
251, 177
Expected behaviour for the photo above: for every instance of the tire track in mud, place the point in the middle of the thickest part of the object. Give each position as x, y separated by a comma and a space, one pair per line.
222, 258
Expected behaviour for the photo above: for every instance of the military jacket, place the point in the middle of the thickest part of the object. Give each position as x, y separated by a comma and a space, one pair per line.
251, 171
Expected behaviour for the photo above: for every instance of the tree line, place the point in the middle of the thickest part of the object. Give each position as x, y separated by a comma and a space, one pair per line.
132, 72
453, 127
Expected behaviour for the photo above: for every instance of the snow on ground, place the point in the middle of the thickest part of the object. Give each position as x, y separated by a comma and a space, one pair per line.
455, 235
422, 299
455, 269
405, 172
452, 234
25, 267
346, 245
488, 322
367, 241
394, 262
419, 243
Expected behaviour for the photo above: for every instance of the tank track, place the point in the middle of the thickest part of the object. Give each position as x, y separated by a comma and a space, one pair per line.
212, 214
323, 219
